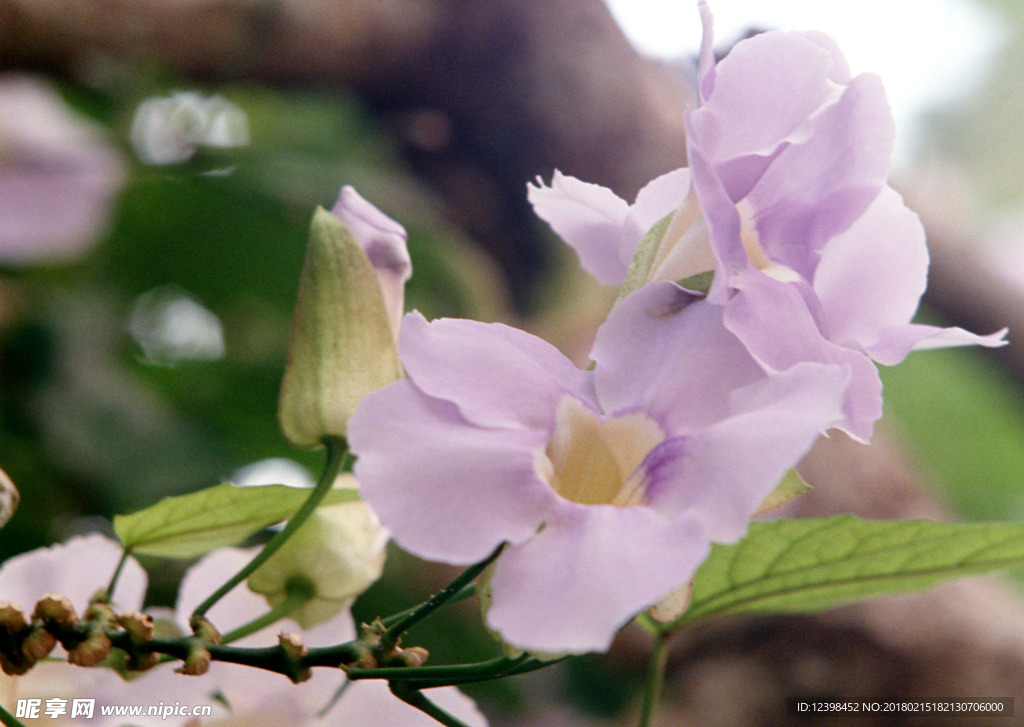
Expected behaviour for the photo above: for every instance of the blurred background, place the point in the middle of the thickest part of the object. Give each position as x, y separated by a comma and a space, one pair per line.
160, 162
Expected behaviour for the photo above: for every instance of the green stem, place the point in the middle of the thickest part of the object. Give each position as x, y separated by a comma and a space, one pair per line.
415, 698
462, 595
413, 617
483, 669
336, 451
117, 574
294, 599
655, 678
9, 719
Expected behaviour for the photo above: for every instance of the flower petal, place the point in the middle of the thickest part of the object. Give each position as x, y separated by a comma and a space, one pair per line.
871, 277
589, 218
583, 577
669, 354
775, 324
775, 422
766, 92
815, 189
448, 490
498, 376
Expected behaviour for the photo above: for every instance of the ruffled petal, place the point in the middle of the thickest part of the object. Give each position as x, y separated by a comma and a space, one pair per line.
584, 576
589, 218
448, 490
766, 93
815, 189
722, 474
497, 376
871, 277
669, 354
773, 321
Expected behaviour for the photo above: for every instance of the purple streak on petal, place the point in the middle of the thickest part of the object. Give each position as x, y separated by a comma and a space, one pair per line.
384, 242
498, 376
774, 323
817, 189
871, 277
766, 93
663, 351
589, 218
570, 588
774, 423
448, 490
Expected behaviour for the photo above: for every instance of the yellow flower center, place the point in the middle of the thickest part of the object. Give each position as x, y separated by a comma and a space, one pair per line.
592, 460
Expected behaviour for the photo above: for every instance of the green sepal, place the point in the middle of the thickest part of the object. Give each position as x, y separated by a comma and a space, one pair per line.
643, 258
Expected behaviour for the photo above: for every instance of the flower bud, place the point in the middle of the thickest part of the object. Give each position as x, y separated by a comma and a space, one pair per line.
92, 651
342, 345
9, 498
337, 553
139, 626
56, 609
38, 643
12, 618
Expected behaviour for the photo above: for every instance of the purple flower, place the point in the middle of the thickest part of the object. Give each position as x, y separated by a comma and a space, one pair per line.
608, 485
815, 258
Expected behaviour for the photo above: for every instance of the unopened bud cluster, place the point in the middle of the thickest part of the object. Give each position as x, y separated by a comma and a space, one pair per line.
88, 639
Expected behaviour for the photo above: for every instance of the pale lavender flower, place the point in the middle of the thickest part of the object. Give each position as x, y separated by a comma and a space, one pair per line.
58, 175
815, 257
608, 485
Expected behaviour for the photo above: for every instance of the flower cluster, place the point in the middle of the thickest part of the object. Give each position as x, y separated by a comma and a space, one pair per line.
759, 286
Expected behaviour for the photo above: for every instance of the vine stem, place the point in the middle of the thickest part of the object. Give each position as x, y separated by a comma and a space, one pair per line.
117, 574
395, 631
336, 452
293, 600
655, 678
416, 698
8, 719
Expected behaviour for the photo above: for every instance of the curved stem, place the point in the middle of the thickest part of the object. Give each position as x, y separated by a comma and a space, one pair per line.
293, 599
336, 451
415, 698
655, 678
117, 574
8, 719
462, 595
413, 617
483, 669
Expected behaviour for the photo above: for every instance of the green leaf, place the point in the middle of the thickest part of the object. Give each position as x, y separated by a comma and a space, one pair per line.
188, 526
813, 564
